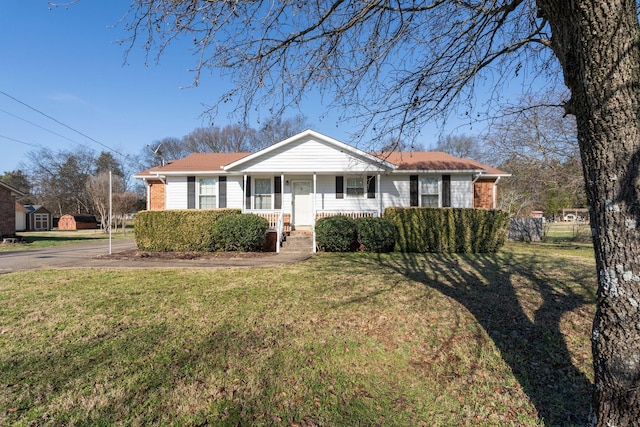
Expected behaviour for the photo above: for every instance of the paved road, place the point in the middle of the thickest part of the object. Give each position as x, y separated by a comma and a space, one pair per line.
95, 255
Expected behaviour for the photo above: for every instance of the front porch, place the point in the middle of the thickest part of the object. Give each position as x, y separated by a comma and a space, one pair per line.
280, 223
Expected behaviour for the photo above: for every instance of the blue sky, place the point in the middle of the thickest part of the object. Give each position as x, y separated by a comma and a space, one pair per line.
65, 62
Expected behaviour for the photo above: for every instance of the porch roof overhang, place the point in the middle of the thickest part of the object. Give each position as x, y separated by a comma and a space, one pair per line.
345, 148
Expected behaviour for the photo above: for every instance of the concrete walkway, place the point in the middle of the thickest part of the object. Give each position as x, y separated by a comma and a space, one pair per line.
96, 255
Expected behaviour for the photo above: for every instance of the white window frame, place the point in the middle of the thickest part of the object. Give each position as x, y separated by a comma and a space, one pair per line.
438, 187
40, 221
256, 195
200, 195
362, 187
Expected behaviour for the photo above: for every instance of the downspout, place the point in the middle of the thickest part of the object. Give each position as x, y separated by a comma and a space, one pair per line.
313, 211
473, 185
495, 192
380, 206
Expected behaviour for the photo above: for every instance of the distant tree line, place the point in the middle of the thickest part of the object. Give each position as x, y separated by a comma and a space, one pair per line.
77, 181
537, 144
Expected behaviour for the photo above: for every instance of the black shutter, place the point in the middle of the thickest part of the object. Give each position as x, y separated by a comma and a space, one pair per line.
277, 192
222, 192
339, 187
413, 190
191, 192
371, 187
446, 191
248, 193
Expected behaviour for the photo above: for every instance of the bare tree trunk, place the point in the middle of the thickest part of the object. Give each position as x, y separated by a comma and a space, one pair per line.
597, 44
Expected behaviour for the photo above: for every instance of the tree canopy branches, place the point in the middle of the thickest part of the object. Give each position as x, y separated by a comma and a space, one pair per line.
392, 65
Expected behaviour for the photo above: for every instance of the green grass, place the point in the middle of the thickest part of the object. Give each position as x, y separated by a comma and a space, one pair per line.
576, 232
43, 239
341, 339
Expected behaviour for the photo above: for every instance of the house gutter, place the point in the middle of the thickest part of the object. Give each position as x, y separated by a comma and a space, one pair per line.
162, 178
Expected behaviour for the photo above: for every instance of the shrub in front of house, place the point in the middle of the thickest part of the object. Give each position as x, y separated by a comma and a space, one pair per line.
244, 232
448, 230
178, 230
376, 234
336, 234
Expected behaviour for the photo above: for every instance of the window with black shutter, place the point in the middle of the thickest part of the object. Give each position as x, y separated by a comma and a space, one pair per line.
191, 192
371, 187
222, 192
339, 187
277, 191
446, 191
248, 193
413, 190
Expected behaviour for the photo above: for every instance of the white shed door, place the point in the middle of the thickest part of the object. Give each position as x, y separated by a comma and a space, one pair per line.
301, 203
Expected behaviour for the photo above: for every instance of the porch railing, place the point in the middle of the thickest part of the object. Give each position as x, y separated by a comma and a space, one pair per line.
278, 222
350, 213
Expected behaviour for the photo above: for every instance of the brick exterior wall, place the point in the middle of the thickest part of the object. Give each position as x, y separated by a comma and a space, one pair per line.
156, 195
7, 213
483, 194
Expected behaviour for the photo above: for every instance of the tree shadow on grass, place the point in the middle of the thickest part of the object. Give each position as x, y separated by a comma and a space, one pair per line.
530, 340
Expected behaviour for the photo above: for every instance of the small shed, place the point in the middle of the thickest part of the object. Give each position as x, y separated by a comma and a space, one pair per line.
77, 222
39, 218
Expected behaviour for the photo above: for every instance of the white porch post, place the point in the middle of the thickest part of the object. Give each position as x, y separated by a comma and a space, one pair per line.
380, 206
282, 186
313, 209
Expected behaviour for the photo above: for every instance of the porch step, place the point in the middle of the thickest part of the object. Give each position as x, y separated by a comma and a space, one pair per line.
297, 242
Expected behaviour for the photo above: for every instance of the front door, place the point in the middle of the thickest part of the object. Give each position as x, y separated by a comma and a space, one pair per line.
301, 208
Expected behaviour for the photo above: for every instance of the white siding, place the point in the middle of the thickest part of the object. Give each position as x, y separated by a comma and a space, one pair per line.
21, 221
308, 155
395, 191
234, 191
326, 198
176, 192
461, 191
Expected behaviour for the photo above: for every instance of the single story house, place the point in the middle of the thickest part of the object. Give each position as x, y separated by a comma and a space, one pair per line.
311, 175
39, 218
77, 222
8, 195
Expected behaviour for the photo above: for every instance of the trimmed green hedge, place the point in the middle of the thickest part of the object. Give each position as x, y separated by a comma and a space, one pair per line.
245, 232
448, 230
336, 234
178, 230
376, 234
341, 233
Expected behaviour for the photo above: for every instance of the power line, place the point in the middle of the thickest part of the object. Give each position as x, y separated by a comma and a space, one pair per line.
41, 127
61, 123
20, 142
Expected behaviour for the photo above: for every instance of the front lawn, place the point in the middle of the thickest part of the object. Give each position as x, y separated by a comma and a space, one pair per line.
341, 339
44, 239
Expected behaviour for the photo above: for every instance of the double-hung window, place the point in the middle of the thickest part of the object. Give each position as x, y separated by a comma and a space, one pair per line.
207, 193
355, 186
429, 192
262, 193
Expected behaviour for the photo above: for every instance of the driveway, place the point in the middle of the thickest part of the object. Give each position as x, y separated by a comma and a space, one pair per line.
96, 255
72, 255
